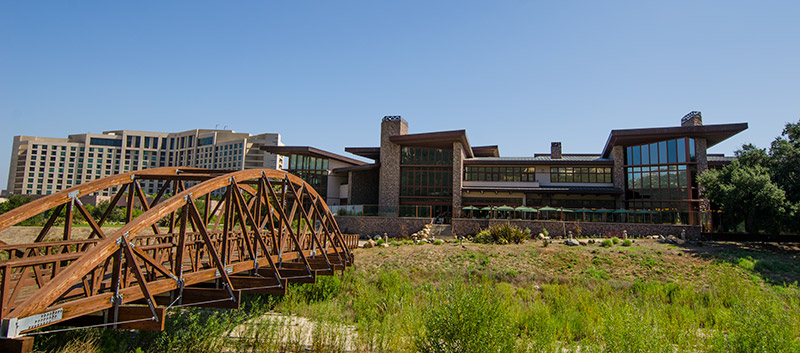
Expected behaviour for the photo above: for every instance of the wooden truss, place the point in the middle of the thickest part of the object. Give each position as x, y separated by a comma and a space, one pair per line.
221, 233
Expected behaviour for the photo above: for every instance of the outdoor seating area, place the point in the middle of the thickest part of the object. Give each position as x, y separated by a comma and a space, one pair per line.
671, 216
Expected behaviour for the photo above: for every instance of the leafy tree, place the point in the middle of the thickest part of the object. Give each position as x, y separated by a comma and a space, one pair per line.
746, 191
785, 168
15, 201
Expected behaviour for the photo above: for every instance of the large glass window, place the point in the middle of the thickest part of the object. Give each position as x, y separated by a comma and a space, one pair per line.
580, 174
665, 181
312, 170
508, 174
426, 178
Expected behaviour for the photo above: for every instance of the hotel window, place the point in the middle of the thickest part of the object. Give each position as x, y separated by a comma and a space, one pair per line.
580, 175
426, 177
662, 176
505, 174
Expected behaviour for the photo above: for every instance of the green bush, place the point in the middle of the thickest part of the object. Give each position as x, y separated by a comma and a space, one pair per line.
607, 243
467, 318
545, 232
503, 234
380, 241
627, 242
615, 240
394, 243
438, 242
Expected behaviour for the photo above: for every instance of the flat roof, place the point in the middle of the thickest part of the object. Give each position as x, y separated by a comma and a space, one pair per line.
714, 134
310, 151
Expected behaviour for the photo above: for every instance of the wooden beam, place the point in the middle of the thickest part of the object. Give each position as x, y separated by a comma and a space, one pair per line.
139, 312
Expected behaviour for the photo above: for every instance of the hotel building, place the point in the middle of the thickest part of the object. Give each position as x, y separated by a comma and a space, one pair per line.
41, 165
437, 174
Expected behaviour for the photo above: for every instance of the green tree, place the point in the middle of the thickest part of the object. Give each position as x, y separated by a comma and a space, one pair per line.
785, 168
744, 190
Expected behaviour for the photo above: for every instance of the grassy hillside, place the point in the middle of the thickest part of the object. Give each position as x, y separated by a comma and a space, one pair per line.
647, 297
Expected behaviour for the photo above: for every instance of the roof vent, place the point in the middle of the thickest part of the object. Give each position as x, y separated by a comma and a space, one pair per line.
393, 118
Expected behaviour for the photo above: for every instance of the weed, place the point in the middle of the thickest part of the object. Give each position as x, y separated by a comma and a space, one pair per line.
607, 243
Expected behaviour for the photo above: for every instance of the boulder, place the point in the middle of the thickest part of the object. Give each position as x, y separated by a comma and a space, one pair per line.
369, 244
384, 245
590, 241
571, 242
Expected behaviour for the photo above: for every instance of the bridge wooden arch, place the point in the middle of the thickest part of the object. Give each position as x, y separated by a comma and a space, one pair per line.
267, 229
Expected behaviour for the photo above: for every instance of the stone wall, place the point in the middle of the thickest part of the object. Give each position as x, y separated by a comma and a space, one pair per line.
397, 226
394, 226
462, 226
364, 187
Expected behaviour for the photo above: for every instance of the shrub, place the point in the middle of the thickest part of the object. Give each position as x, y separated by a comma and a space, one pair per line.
380, 241
545, 232
394, 243
607, 243
627, 242
438, 242
615, 240
503, 234
467, 318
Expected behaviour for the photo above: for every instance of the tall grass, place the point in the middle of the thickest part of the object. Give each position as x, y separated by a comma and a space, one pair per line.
394, 311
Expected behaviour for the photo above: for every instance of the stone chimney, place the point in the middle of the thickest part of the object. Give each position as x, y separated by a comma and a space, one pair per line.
692, 119
555, 150
389, 182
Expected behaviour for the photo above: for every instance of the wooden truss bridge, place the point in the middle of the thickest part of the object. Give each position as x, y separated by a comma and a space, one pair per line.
205, 238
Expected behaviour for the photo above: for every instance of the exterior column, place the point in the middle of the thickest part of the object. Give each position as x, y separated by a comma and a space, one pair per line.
618, 173
458, 175
700, 147
389, 183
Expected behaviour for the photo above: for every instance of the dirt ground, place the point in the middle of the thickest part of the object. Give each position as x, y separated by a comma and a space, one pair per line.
532, 262
22, 235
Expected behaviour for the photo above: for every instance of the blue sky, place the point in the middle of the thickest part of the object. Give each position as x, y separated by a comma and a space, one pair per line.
519, 74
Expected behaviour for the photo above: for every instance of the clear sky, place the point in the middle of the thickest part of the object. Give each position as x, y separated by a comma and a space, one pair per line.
519, 74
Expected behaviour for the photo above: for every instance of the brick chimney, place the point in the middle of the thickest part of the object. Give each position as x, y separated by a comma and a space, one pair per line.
694, 118
555, 150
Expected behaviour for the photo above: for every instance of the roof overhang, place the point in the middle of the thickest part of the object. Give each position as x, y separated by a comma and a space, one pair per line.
486, 151
713, 134
310, 151
440, 140
357, 168
373, 153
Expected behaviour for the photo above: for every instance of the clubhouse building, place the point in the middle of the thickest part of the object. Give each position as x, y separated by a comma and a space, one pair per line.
649, 174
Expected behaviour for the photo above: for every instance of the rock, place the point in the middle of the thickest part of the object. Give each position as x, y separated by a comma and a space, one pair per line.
590, 241
571, 242
540, 236
377, 237
583, 243
384, 245
369, 244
